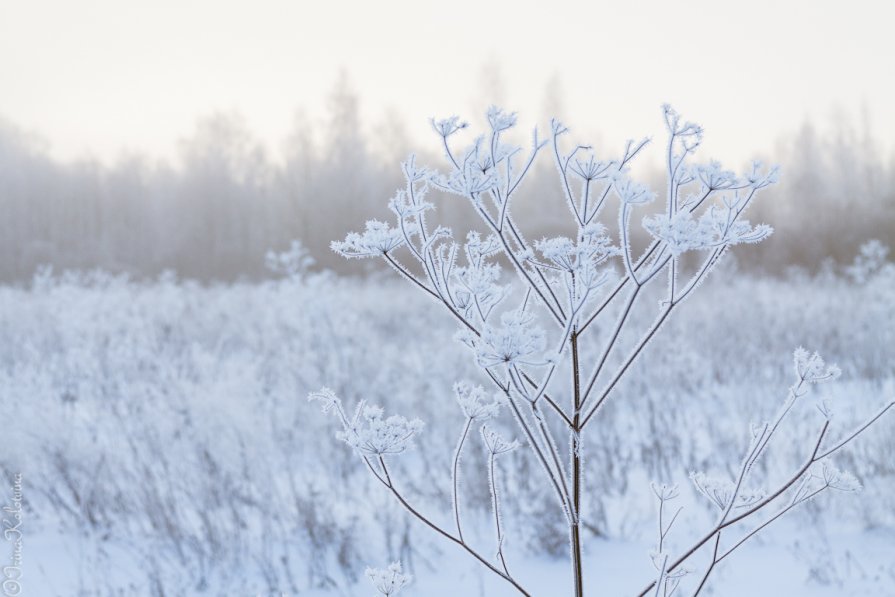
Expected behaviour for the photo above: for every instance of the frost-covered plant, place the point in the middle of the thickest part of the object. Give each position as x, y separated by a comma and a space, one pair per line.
534, 339
368, 432
736, 501
390, 581
291, 263
870, 261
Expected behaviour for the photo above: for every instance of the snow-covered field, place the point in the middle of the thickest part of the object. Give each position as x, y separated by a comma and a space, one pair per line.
166, 445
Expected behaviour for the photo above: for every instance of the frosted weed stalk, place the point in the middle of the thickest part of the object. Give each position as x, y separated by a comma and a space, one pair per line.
569, 284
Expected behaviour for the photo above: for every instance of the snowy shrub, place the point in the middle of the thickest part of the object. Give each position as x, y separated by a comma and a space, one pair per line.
561, 339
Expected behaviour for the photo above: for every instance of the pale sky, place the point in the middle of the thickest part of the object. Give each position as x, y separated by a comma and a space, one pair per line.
98, 76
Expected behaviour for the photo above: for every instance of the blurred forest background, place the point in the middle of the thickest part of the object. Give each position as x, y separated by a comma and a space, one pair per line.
228, 198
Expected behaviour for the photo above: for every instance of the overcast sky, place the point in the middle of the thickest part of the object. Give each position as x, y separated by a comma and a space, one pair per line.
96, 76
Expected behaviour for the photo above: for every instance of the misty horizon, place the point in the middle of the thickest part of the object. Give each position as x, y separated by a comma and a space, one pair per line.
416, 136
228, 197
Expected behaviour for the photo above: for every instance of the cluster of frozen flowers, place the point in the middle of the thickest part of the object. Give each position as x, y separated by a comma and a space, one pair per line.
517, 341
369, 431
389, 581
478, 290
582, 262
631, 192
474, 175
474, 403
812, 368
836, 479
721, 491
377, 240
715, 228
496, 443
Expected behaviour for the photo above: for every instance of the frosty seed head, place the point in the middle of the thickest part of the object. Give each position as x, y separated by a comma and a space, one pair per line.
474, 402
495, 443
812, 368
377, 240
389, 581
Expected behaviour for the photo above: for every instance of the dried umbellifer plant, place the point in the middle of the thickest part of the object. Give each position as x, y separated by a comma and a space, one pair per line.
566, 285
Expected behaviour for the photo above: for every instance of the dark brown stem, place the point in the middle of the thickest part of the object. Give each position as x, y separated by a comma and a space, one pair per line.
711, 567
387, 481
492, 472
576, 471
455, 477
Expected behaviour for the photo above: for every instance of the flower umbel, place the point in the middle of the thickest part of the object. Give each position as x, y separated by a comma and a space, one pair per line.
378, 436
368, 431
839, 480
389, 581
812, 368
495, 443
721, 491
516, 342
378, 239
474, 402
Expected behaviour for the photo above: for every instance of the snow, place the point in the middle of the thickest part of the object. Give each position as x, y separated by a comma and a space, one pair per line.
60, 565
163, 404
